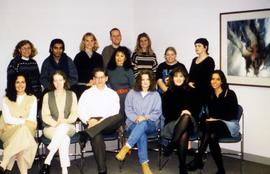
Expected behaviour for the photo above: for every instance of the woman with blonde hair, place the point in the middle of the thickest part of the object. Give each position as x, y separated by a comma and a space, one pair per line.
87, 60
143, 56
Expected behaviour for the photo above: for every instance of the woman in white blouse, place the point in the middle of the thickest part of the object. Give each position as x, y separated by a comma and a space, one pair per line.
18, 125
59, 113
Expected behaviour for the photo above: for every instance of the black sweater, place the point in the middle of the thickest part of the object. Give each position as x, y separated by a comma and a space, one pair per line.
175, 101
200, 74
86, 65
30, 69
224, 107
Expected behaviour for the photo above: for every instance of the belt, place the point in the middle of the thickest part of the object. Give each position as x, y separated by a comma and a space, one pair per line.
122, 91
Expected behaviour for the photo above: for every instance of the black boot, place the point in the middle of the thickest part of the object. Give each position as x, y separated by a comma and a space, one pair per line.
2, 171
84, 137
45, 169
183, 169
196, 163
221, 171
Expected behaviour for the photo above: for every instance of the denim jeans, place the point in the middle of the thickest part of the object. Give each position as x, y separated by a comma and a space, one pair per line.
138, 135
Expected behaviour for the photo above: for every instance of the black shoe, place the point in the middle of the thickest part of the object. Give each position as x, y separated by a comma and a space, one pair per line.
2, 171
191, 152
84, 137
221, 171
183, 170
102, 172
168, 150
195, 164
45, 169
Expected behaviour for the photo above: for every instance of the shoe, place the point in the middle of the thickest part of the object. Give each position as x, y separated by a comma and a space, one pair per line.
146, 169
102, 172
191, 152
2, 170
45, 169
83, 139
122, 153
168, 150
195, 164
221, 171
182, 170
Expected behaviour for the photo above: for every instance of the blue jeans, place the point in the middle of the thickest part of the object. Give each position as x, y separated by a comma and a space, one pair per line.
138, 135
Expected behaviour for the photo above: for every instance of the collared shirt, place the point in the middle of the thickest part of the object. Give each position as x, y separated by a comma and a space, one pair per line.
96, 102
149, 105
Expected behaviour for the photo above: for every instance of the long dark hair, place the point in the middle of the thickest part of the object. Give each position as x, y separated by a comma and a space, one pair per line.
61, 73
11, 92
224, 84
138, 83
182, 70
127, 64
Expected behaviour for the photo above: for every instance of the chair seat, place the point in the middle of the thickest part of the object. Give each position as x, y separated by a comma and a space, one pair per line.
231, 139
74, 139
111, 136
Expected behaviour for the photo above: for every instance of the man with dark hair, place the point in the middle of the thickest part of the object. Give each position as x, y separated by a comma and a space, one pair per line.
98, 107
58, 60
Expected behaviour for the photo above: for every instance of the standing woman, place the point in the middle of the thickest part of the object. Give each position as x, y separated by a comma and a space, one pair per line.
18, 125
165, 69
221, 122
85, 61
143, 56
121, 77
179, 120
23, 62
200, 73
59, 113
143, 110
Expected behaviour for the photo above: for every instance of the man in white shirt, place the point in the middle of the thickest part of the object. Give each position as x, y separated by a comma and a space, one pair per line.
99, 109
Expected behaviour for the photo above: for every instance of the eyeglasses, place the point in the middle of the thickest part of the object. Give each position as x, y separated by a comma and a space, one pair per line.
100, 77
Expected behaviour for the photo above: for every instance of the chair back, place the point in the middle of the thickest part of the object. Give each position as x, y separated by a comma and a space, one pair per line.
240, 112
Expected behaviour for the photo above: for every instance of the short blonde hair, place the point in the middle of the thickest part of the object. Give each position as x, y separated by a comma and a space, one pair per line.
82, 46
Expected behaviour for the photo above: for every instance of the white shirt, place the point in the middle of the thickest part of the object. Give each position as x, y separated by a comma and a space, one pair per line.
96, 102
9, 119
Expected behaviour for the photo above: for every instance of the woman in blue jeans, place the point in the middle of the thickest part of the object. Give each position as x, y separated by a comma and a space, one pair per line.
143, 109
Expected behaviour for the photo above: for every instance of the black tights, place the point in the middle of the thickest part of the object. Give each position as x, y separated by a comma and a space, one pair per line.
180, 139
214, 130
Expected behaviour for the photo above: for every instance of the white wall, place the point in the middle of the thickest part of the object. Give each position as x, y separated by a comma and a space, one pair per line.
179, 23
169, 23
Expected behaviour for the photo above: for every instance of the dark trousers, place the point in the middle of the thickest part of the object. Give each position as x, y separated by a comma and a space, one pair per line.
108, 125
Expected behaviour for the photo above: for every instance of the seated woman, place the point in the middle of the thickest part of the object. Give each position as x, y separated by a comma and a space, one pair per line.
177, 110
59, 113
18, 125
143, 109
221, 122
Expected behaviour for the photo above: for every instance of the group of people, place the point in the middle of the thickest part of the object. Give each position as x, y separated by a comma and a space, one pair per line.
112, 90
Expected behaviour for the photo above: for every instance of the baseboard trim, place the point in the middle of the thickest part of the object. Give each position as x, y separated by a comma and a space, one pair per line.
250, 157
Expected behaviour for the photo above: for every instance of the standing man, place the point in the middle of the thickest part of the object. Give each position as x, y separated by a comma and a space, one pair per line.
98, 107
107, 52
58, 60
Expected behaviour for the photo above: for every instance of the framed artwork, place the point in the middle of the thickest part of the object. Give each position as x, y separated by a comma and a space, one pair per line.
245, 47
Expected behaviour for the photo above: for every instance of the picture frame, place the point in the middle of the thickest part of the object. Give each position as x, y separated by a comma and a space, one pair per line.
245, 47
